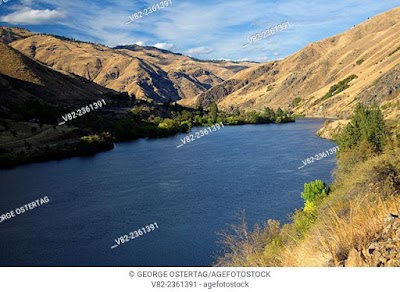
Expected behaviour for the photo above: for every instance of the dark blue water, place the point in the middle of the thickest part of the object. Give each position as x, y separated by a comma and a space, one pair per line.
191, 192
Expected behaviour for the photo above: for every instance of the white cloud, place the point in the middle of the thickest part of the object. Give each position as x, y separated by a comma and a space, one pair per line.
32, 16
140, 43
164, 46
200, 51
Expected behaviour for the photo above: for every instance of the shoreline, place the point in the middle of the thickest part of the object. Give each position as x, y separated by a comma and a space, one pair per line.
11, 159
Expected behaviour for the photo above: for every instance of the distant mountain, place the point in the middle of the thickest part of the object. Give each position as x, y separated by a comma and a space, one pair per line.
145, 72
326, 78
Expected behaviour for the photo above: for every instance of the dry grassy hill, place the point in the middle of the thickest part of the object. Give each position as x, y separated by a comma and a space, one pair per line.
8, 35
33, 97
22, 79
146, 72
370, 51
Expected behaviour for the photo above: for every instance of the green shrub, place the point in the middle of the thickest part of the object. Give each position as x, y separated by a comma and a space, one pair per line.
90, 139
313, 193
359, 62
295, 102
302, 222
198, 120
270, 87
232, 120
173, 126
339, 87
386, 106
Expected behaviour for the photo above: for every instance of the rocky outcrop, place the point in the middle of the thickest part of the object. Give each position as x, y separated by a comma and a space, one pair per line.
332, 128
383, 251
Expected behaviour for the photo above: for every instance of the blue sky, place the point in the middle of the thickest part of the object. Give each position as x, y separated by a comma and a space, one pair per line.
205, 29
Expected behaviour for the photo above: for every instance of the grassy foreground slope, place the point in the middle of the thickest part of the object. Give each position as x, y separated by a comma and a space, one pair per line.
353, 222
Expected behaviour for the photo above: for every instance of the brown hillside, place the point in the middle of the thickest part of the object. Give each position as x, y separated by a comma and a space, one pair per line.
367, 51
10, 34
23, 79
146, 72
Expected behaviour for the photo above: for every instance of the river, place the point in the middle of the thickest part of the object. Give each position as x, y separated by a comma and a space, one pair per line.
190, 192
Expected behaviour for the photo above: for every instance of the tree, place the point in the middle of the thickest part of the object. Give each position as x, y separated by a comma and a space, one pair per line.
200, 110
375, 129
187, 116
198, 121
366, 127
132, 98
279, 112
253, 117
169, 126
270, 114
125, 129
214, 111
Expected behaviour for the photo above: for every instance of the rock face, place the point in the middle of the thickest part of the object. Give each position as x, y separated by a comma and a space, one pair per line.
355, 259
384, 250
332, 128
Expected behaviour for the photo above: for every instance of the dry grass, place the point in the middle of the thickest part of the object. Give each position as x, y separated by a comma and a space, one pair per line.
15, 65
353, 214
348, 219
334, 236
257, 248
